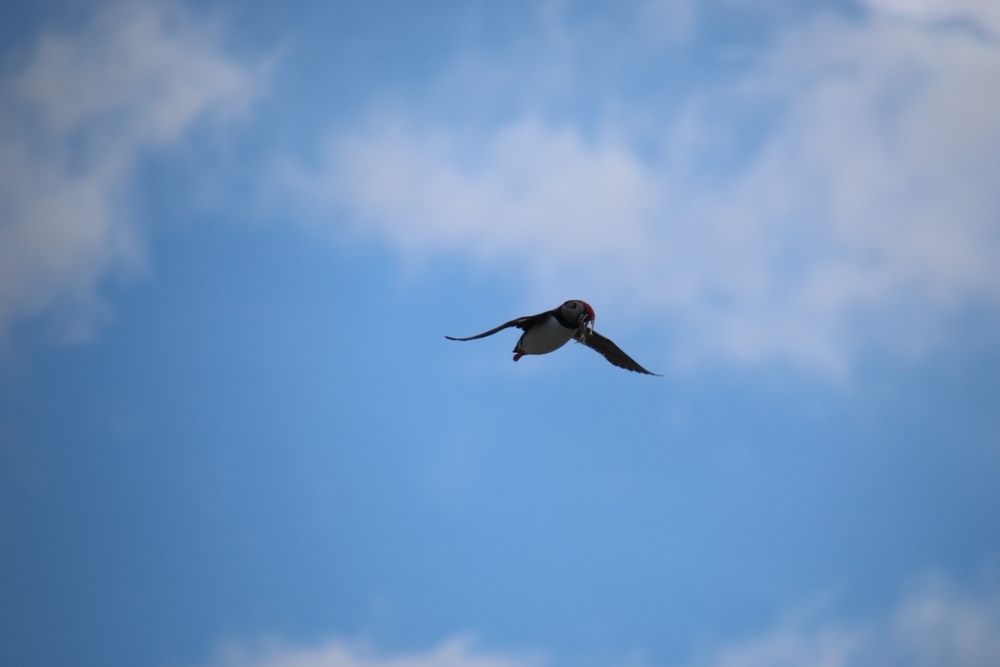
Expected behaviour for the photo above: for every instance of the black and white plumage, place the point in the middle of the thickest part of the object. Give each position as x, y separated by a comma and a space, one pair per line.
548, 331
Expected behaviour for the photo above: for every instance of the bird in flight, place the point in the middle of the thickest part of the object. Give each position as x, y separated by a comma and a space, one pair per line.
548, 331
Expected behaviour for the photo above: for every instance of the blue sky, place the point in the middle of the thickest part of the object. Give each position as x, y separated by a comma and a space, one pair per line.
234, 235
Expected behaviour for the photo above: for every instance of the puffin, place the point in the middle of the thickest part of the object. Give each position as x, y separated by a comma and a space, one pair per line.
547, 332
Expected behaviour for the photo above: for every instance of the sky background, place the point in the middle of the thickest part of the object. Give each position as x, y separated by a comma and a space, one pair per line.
234, 235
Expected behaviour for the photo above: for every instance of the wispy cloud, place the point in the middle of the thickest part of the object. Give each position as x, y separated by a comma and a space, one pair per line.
531, 192
74, 120
938, 624
982, 15
454, 653
830, 192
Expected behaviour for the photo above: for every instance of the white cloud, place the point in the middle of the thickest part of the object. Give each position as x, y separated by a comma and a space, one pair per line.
942, 625
839, 194
453, 653
985, 14
532, 192
789, 646
73, 122
938, 624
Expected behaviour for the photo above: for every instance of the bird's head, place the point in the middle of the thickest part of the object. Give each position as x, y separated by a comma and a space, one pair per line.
580, 312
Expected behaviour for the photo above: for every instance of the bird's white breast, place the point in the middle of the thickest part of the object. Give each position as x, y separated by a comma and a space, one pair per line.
546, 337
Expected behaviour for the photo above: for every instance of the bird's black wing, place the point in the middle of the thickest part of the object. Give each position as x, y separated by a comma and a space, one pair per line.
611, 352
520, 323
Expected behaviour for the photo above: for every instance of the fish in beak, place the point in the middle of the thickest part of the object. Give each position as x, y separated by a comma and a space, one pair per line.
587, 319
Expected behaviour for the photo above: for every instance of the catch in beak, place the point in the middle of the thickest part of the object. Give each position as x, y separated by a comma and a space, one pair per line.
587, 319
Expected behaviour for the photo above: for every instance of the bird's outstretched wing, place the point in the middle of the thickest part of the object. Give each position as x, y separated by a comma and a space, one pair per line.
611, 352
520, 323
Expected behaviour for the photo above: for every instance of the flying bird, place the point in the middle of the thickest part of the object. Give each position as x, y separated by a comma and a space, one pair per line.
548, 331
